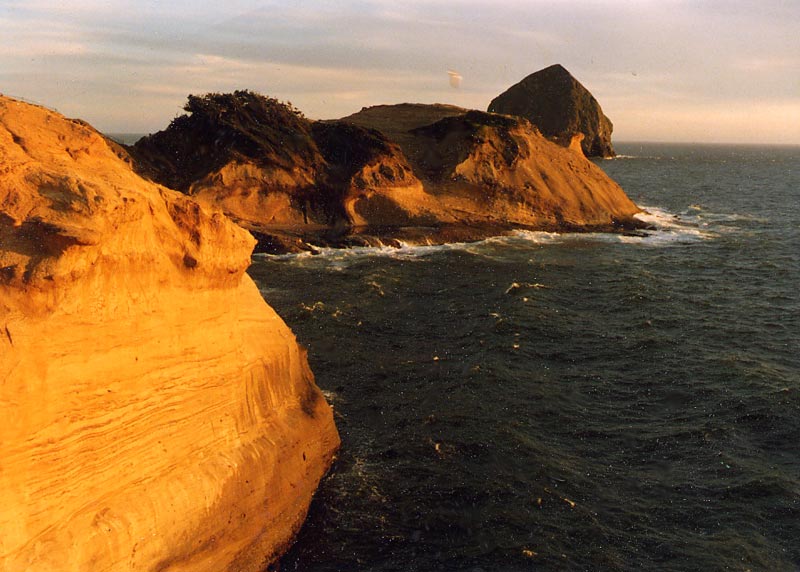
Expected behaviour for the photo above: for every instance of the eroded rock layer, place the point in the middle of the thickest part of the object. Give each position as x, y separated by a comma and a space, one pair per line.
498, 171
158, 414
423, 173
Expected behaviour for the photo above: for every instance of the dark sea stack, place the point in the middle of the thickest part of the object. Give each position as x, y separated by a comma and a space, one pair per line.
557, 103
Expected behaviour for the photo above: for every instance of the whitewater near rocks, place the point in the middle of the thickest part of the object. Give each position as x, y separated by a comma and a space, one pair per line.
410, 172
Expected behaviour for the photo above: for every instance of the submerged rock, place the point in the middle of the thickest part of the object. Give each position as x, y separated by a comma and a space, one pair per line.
557, 104
158, 414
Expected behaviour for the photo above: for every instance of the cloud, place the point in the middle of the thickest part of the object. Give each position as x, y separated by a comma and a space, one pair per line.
124, 62
62, 7
49, 39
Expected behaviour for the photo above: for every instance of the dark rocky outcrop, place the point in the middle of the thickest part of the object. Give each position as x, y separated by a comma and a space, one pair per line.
424, 173
266, 165
219, 128
560, 107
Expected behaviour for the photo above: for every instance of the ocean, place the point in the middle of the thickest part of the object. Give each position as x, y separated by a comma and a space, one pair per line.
567, 402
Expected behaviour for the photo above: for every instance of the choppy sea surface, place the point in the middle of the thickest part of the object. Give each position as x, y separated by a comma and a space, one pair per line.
567, 402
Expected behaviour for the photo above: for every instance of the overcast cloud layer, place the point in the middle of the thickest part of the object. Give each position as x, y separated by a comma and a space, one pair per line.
668, 70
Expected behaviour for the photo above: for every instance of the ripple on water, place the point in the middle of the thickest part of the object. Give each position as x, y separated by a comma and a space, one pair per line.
565, 402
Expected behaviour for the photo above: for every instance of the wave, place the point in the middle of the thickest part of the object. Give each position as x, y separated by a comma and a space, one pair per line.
341, 258
623, 157
666, 229
670, 228
699, 214
692, 225
659, 236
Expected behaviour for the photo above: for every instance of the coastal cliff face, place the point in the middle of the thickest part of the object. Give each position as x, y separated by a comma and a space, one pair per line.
488, 169
266, 165
158, 414
424, 173
555, 102
229, 148
369, 177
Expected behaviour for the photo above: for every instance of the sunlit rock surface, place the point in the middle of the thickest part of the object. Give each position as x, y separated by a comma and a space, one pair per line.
412, 172
158, 414
498, 170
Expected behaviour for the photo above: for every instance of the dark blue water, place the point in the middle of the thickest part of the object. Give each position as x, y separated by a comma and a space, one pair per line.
585, 402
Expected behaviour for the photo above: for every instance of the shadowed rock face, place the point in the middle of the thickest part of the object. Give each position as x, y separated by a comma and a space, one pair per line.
557, 103
383, 173
498, 171
158, 415
367, 173
266, 165
221, 128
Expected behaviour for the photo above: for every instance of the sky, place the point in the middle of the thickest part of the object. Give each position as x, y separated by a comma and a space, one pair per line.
666, 70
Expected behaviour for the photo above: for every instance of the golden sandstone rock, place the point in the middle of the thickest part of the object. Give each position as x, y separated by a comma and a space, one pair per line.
418, 173
157, 413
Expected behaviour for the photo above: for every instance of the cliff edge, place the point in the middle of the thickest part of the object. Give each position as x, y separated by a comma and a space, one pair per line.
499, 171
561, 107
158, 414
413, 172
275, 172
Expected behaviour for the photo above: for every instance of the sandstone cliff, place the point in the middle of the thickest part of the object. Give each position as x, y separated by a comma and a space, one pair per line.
158, 414
560, 107
266, 165
429, 173
498, 171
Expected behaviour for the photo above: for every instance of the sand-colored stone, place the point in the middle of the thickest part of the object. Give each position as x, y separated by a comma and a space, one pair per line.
411, 172
493, 170
158, 415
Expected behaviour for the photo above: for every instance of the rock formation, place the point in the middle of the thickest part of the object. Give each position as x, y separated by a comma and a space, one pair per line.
274, 171
413, 172
557, 103
229, 148
487, 169
158, 415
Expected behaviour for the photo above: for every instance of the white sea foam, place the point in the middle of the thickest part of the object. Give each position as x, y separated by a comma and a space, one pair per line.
670, 228
693, 225
330, 396
667, 229
697, 214
624, 157
341, 258
621, 156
